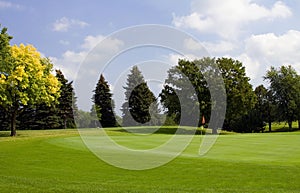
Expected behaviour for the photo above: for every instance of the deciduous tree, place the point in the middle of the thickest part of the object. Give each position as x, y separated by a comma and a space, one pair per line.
26, 79
285, 88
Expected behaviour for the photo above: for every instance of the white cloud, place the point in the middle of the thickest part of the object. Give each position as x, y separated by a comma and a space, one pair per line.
265, 50
191, 44
252, 66
70, 60
64, 24
172, 59
91, 41
220, 47
7, 5
226, 18
277, 49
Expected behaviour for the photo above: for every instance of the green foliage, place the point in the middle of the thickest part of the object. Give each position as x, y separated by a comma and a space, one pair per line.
26, 79
4, 123
84, 119
285, 89
265, 108
54, 116
94, 117
140, 102
4, 48
104, 104
180, 79
66, 102
240, 96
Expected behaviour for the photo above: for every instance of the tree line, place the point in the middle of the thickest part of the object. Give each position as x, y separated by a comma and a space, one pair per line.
32, 97
248, 109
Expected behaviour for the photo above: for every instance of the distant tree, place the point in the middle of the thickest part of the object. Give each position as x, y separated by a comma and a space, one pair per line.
26, 79
94, 118
140, 102
285, 89
83, 119
104, 104
65, 106
265, 106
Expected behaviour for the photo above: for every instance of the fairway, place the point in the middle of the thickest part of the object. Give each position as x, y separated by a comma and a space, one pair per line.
58, 161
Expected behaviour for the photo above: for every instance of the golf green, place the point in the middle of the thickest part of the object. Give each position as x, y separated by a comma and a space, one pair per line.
58, 161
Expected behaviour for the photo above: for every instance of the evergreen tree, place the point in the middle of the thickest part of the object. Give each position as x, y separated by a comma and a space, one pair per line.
55, 116
65, 106
140, 102
104, 104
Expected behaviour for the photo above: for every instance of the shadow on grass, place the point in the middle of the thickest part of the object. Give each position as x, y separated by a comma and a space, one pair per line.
162, 130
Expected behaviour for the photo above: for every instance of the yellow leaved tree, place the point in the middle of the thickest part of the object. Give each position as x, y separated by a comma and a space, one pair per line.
26, 79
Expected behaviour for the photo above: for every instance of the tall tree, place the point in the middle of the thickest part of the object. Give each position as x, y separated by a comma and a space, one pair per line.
240, 95
179, 81
65, 105
139, 100
104, 104
285, 88
26, 79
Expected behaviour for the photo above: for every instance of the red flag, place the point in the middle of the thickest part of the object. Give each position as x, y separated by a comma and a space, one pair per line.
203, 120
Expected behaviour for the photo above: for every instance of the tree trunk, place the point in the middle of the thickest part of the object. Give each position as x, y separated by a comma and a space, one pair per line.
298, 123
65, 123
215, 131
270, 126
13, 121
290, 125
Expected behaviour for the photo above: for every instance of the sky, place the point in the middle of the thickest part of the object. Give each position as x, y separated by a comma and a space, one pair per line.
259, 33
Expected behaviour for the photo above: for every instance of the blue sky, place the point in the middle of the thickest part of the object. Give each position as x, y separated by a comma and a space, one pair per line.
260, 33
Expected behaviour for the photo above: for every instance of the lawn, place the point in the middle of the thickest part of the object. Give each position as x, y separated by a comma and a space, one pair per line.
58, 161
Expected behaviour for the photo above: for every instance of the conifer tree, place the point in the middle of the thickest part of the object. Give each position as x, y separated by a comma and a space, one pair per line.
65, 106
140, 102
104, 104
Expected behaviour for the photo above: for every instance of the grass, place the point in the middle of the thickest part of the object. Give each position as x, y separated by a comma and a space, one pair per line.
58, 161
283, 127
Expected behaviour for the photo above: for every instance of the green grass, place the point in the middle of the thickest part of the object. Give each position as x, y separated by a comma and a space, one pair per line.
58, 161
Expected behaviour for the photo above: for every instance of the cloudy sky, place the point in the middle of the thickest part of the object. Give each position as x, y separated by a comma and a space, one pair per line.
260, 33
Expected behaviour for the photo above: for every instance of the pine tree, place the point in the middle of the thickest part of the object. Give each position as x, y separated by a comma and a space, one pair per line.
65, 106
139, 100
104, 104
